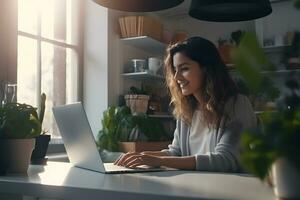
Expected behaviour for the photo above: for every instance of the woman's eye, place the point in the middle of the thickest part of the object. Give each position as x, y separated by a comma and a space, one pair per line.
184, 68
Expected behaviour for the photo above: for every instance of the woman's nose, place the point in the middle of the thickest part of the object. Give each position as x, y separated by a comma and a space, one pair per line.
176, 75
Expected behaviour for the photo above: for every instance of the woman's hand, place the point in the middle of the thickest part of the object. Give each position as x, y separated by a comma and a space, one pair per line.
134, 159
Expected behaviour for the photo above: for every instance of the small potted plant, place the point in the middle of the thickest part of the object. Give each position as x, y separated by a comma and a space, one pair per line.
38, 156
19, 125
137, 100
271, 150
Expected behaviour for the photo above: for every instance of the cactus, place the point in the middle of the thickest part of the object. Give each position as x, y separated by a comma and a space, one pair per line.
42, 109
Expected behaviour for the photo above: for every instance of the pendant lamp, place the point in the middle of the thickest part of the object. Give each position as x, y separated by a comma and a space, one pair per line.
229, 10
138, 5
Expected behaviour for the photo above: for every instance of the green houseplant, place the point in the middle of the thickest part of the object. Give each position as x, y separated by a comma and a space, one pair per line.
271, 150
121, 129
19, 125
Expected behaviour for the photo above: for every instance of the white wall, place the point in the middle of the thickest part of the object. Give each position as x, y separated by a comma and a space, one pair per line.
285, 17
95, 75
212, 30
8, 40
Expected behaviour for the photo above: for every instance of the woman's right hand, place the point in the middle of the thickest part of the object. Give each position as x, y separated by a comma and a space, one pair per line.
134, 159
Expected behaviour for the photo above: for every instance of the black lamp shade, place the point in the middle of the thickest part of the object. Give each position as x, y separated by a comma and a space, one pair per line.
229, 10
139, 5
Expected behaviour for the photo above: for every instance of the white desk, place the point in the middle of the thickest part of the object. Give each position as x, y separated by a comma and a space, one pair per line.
60, 180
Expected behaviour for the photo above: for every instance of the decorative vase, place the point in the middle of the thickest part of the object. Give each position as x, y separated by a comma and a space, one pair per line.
286, 179
225, 52
15, 155
40, 150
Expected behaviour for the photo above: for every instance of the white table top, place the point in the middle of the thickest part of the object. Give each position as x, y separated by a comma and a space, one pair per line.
61, 180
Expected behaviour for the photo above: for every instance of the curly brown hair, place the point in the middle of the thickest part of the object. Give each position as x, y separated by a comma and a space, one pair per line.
218, 86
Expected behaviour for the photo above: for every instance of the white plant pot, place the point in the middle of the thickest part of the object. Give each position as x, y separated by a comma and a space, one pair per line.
286, 179
137, 103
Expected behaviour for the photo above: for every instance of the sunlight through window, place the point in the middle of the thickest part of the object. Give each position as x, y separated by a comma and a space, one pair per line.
48, 56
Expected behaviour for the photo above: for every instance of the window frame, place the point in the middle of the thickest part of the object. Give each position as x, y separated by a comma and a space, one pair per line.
56, 145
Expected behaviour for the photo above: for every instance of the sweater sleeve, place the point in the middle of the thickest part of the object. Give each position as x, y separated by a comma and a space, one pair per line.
225, 157
174, 148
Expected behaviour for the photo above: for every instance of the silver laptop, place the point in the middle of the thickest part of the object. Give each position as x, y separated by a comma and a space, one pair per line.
80, 143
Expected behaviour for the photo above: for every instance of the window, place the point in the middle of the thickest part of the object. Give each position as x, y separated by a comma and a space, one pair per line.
48, 55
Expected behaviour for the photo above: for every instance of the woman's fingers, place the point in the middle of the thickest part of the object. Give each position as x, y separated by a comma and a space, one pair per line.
124, 157
134, 163
132, 160
116, 161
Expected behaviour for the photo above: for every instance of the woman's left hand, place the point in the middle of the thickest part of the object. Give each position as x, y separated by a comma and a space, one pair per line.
134, 159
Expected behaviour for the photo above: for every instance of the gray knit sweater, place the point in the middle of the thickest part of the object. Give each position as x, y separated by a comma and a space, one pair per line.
223, 143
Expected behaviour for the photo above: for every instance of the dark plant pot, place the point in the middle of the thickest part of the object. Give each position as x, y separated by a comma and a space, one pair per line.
15, 155
40, 150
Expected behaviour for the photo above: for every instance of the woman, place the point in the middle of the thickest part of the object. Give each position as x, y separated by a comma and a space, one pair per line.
210, 112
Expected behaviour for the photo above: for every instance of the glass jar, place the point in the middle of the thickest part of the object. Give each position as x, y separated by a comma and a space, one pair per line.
139, 65
9, 93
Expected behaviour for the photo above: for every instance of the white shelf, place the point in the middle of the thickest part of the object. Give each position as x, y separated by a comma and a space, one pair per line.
274, 49
281, 71
264, 111
146, 43
141, 76
284, 71
277, 1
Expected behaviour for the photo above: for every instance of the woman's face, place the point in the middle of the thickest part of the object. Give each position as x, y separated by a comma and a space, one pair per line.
188, 75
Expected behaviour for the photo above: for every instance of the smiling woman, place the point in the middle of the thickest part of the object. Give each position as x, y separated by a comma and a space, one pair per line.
210, 112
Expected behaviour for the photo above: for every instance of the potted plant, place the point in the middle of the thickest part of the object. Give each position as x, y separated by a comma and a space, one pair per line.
38, 156
122, 131
226, 46
143, 134
137, 100
19, 125
271, 150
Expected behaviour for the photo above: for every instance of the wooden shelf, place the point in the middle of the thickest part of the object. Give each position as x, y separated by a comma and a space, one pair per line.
146, 43
142, 76
162, 116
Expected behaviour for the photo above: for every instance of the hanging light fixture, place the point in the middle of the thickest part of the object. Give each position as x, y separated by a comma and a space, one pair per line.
138, 5
229, 10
